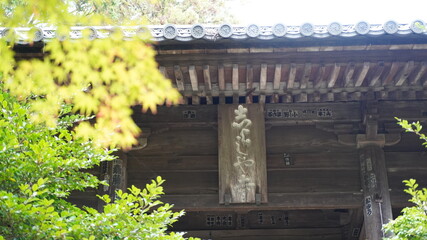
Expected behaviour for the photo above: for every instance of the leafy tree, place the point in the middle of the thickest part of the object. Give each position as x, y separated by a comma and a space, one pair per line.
159, 11
412, 224
45, 145
103, 77
40, 166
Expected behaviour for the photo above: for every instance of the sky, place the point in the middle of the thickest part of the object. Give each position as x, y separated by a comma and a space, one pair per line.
323, 12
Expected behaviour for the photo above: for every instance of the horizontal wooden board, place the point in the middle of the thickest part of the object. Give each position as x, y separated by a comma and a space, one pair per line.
180, 183
293, 57
179, 113
313, 111
138, 164
269, 234
278, 181
395, 178
302, 139
193, 163
322, 160
410, 110
172, 141
409, 142
399, 199
313, 181
260, 219
293, 219
285, 201
398, 161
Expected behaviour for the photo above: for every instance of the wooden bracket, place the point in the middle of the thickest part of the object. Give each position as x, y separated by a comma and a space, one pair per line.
142, 139
361, 140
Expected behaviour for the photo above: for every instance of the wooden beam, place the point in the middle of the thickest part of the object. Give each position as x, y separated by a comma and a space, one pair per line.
390, 76
275, 98
355, 96
261, 99
208, 84
292, 75
277, 76
403, 75
320, 80
263, 77
362, 75
302, 97
269, 234
249, 82
207, 77
221, 98
306, 76
295, 57
195, 100
162, 69
420, 73
379, 70
294, 201
287, 98
193, 78
316, 97
221, 77
348, 75
179, 78
334, 75
328, 97
235, 77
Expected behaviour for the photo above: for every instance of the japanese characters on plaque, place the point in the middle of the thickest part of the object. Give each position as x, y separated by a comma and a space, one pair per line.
244, 164
299, 113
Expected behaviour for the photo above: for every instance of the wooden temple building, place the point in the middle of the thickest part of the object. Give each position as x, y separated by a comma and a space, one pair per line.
286, 132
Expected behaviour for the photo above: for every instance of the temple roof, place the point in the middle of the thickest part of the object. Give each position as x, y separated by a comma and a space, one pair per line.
227, 31
211, 64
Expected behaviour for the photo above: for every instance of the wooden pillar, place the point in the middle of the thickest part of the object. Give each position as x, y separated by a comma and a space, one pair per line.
373, 172
115, 174
105, 175
119, 175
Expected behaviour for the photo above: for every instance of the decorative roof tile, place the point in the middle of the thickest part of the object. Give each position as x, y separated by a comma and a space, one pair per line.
215, 32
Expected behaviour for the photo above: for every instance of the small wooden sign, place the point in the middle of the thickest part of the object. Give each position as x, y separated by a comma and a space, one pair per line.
242, 154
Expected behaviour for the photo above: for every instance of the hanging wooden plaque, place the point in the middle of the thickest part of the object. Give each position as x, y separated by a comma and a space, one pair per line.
242, 154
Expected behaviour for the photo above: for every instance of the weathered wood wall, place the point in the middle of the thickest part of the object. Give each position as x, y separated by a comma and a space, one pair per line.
312, 177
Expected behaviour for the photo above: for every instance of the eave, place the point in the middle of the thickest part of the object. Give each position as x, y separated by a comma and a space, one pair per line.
216, 64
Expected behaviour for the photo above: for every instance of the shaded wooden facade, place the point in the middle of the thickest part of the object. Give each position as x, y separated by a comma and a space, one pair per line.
334, 157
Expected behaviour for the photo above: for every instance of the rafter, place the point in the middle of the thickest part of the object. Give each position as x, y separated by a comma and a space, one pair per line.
362, 75
263, 77
306, 76
349, 71
235, 77
193, 78
379, 70
334, 75
179, 78
390, 76
277, 76
403, 75
292, 75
